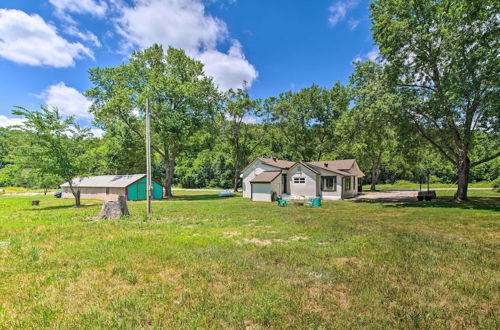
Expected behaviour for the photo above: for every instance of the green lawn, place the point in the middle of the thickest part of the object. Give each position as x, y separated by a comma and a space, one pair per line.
207, 262
16, 190
412, 185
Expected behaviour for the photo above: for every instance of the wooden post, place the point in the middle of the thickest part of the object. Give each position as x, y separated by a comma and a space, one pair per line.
148, 158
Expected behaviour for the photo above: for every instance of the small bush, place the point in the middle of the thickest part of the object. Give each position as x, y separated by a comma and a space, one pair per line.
496, 183
435, 179
402, 182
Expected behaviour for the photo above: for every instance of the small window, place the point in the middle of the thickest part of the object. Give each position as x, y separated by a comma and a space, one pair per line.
347, 183
299, 180
329, 183
107, 191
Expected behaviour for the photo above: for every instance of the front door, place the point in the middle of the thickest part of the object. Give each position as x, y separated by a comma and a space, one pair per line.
283, 183
141, 191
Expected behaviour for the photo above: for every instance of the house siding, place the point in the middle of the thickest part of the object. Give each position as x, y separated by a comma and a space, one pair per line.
251, 172
263, 192
95, 193
307, 189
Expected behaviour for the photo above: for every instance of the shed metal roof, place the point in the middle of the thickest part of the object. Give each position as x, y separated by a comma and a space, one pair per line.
105, 181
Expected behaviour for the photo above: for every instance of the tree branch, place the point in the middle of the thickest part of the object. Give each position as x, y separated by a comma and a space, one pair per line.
484, 160
438, 147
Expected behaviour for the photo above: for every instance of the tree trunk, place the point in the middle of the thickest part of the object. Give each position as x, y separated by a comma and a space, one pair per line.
77, 198
375, 172
76, 194
45, 191
236, 179
169, 174
463, 168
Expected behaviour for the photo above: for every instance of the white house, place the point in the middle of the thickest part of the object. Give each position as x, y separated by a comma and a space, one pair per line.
264, 178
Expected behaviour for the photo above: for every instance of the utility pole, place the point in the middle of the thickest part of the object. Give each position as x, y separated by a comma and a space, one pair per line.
148, 157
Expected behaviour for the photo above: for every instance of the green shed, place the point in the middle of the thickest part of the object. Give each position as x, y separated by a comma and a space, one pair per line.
110, 187
136, 191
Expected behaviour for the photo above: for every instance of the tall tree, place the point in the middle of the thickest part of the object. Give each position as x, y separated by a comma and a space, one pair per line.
240, 107
306, 119
443, 57
182, 100
56, 146
366, 131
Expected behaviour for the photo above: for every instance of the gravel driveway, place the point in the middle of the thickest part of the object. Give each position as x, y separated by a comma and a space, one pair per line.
387, 196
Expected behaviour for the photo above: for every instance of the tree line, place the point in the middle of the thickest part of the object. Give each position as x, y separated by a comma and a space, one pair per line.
428, 105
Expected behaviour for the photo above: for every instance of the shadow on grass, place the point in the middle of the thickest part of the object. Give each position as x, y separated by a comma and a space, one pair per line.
475, 203
58, 207
198, 197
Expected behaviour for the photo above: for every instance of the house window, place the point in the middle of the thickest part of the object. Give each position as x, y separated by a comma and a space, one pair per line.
329, 183
299, 180
107, 191
347, 183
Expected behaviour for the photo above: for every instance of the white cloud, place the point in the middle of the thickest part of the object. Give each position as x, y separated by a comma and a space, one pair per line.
28, 39
185, 24
94, 8
372, 55
85, 36
229, 70
338, 10
97, 132
6, 121
353, 23
68, 100
179, 23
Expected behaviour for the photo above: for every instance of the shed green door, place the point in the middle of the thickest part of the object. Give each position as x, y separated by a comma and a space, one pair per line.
141, 194
137, 190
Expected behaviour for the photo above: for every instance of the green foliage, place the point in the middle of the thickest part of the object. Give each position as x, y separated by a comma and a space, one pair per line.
182, 100
306, 119
442, 57
55, 148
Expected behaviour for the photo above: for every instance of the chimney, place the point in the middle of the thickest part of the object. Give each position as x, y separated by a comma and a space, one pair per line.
274, 159
326, 164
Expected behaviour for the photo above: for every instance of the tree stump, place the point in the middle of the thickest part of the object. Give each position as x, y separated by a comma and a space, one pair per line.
114, 209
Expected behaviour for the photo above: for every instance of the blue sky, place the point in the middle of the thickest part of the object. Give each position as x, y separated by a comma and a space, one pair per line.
47, 47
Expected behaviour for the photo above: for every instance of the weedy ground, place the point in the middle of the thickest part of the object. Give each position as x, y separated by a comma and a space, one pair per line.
208, 262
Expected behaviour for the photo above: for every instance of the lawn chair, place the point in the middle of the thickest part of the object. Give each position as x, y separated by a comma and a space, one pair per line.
314, 202
281, 202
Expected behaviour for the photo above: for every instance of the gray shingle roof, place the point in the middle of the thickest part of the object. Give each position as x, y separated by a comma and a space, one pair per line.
344, 164
101, 181
265, 177
285, 164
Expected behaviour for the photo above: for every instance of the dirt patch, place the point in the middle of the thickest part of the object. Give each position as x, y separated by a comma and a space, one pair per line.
256, 241
345, 261
170, 275
321, 297
299, 238
231, 233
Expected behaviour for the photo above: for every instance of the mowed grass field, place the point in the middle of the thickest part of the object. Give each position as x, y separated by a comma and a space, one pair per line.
413, 185
207, 262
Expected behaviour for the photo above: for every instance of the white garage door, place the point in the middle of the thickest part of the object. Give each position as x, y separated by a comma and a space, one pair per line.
261, 192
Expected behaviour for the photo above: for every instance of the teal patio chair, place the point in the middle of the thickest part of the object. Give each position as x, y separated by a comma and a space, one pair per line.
280, 201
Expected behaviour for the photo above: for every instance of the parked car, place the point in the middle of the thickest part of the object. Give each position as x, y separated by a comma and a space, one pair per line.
58, 194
